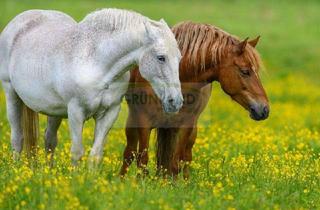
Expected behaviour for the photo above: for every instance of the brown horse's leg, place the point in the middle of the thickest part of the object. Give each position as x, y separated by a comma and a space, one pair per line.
131, 147
178, 157
143, 157
188, 153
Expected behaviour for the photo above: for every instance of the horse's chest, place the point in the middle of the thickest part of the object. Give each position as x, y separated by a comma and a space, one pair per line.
194, 103
103, 99
113, 96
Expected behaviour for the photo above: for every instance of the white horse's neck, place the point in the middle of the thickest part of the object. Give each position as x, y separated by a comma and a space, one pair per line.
122, 58
114, 49
117, 56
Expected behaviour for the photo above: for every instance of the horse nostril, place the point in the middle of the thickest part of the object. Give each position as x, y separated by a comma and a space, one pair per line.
265, 110
170, 101
252, 110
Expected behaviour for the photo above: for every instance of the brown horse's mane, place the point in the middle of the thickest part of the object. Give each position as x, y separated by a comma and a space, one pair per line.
206, 45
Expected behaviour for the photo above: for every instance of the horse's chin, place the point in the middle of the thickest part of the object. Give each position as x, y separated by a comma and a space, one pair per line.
170, 111
172, 106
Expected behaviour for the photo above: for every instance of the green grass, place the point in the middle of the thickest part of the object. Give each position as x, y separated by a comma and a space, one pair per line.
238, 163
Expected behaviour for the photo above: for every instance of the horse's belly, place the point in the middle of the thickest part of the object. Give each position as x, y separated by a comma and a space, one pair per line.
34, 79
43, 104
39, 95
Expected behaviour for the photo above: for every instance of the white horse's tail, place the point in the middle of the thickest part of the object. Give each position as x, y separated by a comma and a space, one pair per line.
30, 126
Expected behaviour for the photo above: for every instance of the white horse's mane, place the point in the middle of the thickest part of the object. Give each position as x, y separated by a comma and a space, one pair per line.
113, 20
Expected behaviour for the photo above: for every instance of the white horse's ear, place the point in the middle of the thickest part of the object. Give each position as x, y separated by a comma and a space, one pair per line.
150, 32
163, 21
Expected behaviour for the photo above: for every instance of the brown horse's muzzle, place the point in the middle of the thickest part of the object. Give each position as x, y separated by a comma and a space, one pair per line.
259, 111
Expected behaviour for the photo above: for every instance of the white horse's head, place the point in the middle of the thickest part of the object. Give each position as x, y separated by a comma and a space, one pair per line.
159, 64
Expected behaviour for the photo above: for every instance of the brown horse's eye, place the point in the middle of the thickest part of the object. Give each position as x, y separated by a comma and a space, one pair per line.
245, 72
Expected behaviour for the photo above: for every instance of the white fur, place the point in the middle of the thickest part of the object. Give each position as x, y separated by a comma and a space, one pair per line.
80, 70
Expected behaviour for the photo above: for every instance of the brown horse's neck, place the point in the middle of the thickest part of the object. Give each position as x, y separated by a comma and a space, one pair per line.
199, 72
202, 46
199, 77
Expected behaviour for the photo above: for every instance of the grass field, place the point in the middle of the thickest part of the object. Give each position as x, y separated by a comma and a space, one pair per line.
238, 163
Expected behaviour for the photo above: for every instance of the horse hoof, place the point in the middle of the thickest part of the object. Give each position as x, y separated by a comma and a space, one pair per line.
93, 163
123, 171
143, 173
16, 155
75, 162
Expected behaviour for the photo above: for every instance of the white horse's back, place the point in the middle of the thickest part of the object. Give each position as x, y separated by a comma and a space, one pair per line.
30, 34
21, 25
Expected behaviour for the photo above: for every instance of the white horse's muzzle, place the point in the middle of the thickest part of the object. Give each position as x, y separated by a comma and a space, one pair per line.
173, 101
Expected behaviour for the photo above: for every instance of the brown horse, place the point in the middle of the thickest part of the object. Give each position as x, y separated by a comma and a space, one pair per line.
209, 54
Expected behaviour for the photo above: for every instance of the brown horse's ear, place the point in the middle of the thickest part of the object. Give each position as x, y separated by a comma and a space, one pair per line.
241, 46
254, 42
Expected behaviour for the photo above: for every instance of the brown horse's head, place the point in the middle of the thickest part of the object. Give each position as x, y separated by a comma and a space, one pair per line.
239, 77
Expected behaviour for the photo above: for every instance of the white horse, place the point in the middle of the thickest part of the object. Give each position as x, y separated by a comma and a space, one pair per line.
56, 66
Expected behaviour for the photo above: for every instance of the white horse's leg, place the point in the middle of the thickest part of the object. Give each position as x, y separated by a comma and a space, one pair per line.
103, 124
76, 120
14, 113
51, 138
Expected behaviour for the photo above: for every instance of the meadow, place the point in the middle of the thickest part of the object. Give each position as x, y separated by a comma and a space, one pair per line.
238, 163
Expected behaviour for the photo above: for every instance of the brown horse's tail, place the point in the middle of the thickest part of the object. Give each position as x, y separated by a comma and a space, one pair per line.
166, 141
30, 126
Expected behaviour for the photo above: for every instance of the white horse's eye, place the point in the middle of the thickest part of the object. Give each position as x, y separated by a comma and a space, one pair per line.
161, 58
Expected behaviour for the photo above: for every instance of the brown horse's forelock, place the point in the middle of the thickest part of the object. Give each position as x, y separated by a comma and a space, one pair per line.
198, 41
